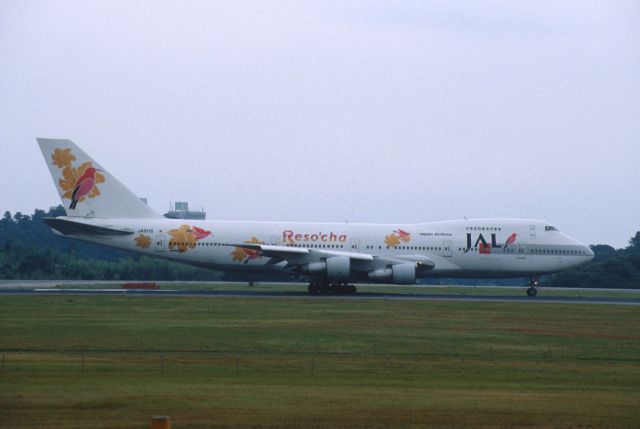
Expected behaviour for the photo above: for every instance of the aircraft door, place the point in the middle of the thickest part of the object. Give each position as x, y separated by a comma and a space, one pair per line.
447, 246
355, 245
160, 242
521, 251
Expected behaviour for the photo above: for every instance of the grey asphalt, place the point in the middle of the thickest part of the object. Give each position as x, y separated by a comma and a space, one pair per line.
38, 291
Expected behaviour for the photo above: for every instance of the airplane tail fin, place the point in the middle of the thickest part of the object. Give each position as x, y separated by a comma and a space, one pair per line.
86, 189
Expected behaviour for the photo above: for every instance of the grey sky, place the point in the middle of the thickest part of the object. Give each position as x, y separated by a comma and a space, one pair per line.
324, 111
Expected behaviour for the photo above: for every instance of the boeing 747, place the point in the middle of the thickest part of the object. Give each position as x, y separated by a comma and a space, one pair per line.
330, 256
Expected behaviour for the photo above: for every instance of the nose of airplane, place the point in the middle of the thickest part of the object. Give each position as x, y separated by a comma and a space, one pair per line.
590, 253
587, 253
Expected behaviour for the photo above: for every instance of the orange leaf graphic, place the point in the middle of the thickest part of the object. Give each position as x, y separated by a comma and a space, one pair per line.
238, 254
94, 192
62, 158
182, 239
143, 241
68, 181
392, 240
254, 240
82, 168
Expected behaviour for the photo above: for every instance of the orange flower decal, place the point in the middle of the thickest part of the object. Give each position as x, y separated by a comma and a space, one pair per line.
186, 237
394, 239
77, 183
143, 241
240, 254
62, 158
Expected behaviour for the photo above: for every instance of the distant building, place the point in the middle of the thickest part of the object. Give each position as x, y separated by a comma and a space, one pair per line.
180, 210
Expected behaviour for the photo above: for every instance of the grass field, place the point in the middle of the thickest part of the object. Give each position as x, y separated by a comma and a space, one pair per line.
113, 362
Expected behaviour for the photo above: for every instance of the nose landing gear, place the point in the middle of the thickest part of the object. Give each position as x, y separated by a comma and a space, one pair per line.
533, 284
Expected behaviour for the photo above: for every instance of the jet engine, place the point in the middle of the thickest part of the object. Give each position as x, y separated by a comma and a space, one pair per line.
404, 274
335, 268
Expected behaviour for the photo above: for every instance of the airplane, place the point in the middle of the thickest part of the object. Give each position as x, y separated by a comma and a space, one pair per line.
330, 256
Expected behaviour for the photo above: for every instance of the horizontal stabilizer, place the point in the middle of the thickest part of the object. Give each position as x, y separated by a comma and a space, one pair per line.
70, 227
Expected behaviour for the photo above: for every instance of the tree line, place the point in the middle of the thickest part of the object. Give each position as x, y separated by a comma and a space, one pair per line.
30, 250
610, 268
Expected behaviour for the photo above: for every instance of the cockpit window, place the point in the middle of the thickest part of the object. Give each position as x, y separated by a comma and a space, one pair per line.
550, 228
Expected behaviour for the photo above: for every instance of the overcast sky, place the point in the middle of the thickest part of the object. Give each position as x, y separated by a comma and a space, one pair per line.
371, 111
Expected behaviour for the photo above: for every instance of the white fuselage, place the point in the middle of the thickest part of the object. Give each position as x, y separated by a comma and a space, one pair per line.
102, 210
458, 248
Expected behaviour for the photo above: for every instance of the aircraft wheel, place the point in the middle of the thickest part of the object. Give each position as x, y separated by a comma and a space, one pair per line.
347, 289
337, 289
532, 291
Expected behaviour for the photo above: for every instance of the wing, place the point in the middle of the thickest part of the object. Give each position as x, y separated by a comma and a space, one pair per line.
298, 257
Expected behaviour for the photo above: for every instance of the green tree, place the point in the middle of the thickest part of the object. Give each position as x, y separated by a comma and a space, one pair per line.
610, 268
634, 243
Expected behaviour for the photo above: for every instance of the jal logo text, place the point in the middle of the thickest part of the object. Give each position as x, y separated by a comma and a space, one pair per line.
486, 247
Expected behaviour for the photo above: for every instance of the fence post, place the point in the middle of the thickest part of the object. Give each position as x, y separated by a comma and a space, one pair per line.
160, 422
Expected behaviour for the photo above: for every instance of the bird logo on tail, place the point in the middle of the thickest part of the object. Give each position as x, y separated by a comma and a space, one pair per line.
83, 187
77, 183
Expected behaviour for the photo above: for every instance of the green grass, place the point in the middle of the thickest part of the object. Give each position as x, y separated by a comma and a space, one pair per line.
235, 362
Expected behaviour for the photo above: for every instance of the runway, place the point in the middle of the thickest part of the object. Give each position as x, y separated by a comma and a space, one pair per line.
303, 295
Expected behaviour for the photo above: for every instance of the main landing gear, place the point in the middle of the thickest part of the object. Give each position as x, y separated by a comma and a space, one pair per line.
326, 288
533, 284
